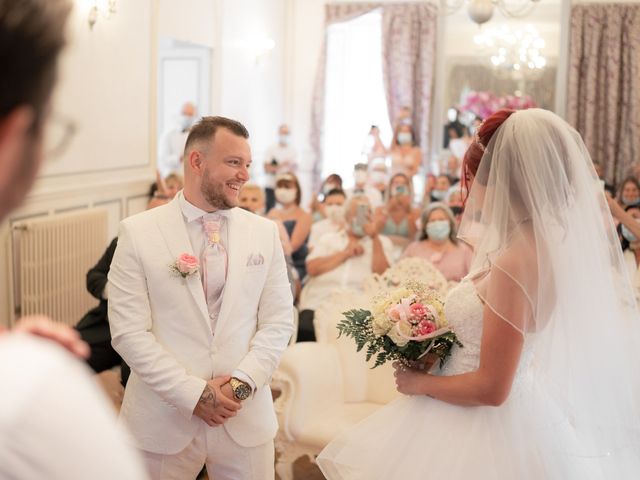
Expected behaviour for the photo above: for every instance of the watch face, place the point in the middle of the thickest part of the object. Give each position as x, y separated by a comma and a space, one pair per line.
242, 391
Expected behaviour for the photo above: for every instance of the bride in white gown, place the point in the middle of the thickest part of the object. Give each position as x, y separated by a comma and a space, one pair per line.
546, 386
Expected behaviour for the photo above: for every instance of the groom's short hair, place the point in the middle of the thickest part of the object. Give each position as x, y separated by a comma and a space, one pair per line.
206, 128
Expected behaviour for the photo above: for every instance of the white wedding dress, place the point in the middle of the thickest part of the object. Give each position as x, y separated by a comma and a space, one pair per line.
418, 438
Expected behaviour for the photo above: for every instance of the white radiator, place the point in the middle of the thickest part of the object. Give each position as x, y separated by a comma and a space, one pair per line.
51, 258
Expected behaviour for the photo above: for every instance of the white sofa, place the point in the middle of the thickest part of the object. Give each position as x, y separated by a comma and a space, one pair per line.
326, 386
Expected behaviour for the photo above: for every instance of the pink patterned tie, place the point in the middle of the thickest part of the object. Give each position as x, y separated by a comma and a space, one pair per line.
214, 265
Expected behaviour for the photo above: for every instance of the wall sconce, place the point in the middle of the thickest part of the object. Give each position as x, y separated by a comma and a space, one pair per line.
101, 8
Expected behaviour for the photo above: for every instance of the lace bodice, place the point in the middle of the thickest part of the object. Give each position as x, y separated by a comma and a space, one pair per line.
464, 311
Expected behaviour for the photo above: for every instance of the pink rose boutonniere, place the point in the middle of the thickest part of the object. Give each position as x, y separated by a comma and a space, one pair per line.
185, 265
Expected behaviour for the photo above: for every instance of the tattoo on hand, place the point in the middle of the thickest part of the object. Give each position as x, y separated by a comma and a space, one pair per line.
209, 396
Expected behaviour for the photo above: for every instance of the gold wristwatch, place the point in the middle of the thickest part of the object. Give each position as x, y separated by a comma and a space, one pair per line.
241, 390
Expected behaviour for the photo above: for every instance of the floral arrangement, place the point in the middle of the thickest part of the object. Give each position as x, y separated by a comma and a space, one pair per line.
484, 104
185, 265
406, 324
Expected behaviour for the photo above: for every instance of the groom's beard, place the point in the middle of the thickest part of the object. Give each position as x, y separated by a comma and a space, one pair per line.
213, 192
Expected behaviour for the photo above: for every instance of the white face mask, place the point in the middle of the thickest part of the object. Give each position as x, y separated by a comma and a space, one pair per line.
186, 121
405, 138
328, 187
378, 177
360, 176
285, 196
284, 139
335, 213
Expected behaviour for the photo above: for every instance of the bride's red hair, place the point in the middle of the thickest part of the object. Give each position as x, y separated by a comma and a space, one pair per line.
474, 153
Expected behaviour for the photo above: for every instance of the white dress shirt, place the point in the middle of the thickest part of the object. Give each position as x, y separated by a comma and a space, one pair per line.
350, 274
198, 238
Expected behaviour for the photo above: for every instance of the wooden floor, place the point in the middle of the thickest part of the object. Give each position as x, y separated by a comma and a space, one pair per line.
110, 382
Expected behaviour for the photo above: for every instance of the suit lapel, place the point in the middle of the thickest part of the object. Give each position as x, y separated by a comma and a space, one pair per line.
174, 230
237, 233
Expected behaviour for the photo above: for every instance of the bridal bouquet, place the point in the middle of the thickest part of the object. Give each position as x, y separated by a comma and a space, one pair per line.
406, 324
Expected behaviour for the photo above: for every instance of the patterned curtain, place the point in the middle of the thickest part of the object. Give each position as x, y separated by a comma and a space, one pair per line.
409, 32
334, 13
604, 84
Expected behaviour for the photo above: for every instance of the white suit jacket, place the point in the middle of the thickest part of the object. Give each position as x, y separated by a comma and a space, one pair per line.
161, 327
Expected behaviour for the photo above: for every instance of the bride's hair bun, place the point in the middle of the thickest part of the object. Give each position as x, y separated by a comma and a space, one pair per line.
474, 153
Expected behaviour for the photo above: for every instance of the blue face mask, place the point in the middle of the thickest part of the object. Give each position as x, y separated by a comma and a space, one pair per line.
438, 229
628, 236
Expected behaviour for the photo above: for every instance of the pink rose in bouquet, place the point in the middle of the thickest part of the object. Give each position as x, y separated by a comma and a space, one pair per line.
425, 327
418, 311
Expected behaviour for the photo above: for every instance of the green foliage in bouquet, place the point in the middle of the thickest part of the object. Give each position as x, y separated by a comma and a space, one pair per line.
357, 324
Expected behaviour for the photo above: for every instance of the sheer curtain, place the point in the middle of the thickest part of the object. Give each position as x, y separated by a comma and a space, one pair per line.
407, 45
354, 93
604, 84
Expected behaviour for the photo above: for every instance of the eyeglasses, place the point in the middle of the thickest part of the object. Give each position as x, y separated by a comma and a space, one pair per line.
58, 132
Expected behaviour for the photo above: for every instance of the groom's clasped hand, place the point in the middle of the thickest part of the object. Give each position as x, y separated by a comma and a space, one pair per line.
217, 403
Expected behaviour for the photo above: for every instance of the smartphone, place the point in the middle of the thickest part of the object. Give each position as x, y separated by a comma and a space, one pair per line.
362, 214
274, 162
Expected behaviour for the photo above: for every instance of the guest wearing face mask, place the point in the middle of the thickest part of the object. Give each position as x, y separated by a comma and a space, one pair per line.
332, 182
397, 219
172, 144
405, 154
363, 187
379, 176
343, 259
438, 243
333, 207
631, 251
296, 221
629, 192
441, 189
279, 158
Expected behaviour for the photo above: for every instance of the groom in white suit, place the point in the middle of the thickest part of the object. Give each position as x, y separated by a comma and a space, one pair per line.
202, 336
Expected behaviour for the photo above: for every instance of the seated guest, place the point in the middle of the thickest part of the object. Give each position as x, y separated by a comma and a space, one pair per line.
164, 189
397, 219
94, 326
332, 182
342, 260
631, 251
629, 192
296, 221
438, 243
441, 189
253, 199
379, 175
333, 206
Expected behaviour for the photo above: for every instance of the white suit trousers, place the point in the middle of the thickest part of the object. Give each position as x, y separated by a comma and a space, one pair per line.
224, 458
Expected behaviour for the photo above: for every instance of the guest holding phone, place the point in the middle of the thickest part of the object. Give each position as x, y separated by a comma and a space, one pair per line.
343, 260
397, 218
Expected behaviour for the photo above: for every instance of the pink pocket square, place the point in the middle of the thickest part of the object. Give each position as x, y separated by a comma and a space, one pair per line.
255, 259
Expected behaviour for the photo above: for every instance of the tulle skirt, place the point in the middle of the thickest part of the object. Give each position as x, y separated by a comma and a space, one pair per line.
526, 438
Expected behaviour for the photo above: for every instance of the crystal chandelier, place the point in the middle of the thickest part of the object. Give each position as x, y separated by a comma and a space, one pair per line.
481, 11
517, 52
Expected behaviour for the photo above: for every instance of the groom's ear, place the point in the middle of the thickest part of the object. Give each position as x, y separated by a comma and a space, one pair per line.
195, 161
